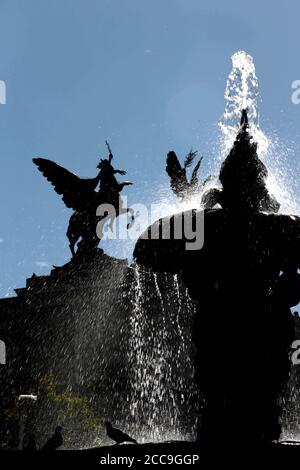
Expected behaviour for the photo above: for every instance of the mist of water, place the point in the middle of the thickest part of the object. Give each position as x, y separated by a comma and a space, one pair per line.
242, 92
158, 356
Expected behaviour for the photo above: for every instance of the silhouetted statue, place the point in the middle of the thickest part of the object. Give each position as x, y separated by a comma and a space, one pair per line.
117, 435
55, 441
243, 177
82, 196
31, 443
180, 185
110, 188
245, 281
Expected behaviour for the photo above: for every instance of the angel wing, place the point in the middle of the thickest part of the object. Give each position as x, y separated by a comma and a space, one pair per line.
76, 193
190, 158
194, 179
177, 174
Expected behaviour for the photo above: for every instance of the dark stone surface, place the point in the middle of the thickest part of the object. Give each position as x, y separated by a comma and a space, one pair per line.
245, 281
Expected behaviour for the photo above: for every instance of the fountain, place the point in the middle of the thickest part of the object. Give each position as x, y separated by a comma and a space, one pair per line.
245, 281
184, 344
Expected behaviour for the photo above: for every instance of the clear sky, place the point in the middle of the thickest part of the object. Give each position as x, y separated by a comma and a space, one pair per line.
149, 76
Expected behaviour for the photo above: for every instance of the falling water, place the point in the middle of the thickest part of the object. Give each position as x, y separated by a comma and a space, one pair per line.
242, 92
159, 356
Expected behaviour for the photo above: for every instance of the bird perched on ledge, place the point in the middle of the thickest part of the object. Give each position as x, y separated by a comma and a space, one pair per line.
117, 435
55, 441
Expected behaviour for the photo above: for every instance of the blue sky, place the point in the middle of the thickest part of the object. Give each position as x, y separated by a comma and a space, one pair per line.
149, 76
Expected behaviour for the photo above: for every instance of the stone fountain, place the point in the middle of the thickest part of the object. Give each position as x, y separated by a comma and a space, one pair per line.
245, 281
190, 336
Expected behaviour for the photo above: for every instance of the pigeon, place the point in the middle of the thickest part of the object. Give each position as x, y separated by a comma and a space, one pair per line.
55, 441
117, 435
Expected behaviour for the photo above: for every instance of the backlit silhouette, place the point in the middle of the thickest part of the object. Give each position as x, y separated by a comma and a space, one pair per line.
117, 435
245, 281
81, 195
